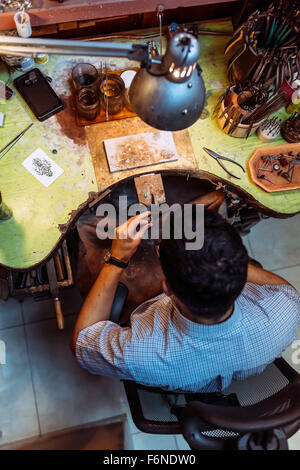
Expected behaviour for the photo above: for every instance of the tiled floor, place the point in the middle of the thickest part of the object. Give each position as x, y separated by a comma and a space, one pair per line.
42, 389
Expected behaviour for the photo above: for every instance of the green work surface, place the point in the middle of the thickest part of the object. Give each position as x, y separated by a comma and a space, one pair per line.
33, 232
30, 235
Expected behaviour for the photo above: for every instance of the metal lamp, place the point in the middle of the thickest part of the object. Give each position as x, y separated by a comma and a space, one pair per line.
167, 92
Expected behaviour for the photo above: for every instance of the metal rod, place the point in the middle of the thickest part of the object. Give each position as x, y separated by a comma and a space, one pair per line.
7, 147
160, 32
9, 44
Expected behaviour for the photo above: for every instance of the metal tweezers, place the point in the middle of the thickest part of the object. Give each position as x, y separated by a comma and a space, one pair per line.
218, 157
10, 144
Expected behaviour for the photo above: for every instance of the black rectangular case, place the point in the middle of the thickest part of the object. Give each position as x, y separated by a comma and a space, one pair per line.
38, 94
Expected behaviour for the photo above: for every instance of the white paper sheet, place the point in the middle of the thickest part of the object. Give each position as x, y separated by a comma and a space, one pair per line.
42, 167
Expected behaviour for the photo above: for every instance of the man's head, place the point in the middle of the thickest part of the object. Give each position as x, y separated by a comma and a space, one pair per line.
206, 281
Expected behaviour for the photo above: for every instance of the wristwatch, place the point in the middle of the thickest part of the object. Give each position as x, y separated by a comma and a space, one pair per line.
108, 258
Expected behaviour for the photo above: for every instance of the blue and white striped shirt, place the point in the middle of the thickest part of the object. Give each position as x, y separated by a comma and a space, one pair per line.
163, 348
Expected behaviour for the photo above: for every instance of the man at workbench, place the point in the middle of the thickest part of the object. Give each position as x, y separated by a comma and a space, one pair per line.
219, 318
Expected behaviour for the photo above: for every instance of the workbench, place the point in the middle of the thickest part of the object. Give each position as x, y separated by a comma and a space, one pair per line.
41, 216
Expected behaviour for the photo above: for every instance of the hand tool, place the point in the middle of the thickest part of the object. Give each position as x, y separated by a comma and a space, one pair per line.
218, 158
54, 292
7, 147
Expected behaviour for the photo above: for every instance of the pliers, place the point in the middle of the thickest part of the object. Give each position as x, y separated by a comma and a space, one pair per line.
218, 157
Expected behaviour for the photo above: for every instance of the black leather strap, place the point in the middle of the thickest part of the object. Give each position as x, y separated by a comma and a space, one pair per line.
116, 262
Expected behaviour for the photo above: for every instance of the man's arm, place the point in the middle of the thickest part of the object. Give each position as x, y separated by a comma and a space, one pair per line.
97, 305
262, 277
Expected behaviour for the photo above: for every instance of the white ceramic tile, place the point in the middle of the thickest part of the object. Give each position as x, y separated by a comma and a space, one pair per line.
34, 311
10, 313
18, 416
292, 275
143, 441
181, 443
275, 242
66, 394
294, 441
128, 440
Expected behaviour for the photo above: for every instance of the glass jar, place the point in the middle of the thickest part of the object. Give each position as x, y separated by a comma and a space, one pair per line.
85, 76
88, 104
112, 93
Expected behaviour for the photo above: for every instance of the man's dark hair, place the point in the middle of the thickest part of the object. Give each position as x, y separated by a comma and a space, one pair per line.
208, 280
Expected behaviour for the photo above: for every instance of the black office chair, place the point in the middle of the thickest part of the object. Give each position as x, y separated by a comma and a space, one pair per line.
260, 413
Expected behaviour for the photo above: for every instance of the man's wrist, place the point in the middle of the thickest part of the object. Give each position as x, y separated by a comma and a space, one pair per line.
112, 268
110, 258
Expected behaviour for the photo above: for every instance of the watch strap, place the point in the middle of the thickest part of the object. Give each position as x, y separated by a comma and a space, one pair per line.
110, 259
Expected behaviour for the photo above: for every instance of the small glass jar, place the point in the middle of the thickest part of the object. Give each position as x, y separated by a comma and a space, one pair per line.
85, 76
112, 93
88, 104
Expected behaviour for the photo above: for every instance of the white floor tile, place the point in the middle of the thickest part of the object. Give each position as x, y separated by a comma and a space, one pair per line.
292, 275
275, 242
181, 443
34, 311
10, 313
66, 394
18, 416
294, 441
143, 441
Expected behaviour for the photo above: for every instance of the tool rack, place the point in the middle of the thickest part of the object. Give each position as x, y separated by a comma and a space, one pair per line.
57, 274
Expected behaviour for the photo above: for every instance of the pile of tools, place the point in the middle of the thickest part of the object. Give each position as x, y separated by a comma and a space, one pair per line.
291, 129
269, 130
266, 48
282, 165
247, 105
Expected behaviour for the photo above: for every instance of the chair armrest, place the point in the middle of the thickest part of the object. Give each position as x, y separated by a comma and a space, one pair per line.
276, 411
118, 302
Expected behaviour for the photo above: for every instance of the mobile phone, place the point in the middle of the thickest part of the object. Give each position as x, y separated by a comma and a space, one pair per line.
38, 94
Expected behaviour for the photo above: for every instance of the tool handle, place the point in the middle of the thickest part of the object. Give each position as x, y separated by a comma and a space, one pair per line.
58, 267
59, 315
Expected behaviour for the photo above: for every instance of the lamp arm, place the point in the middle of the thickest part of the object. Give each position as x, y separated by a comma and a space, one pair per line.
25, 47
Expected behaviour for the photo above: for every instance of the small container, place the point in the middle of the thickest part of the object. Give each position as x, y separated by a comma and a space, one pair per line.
85, 76
112, 93
88, 104
22, 21
241, 130
41, 58
294, 105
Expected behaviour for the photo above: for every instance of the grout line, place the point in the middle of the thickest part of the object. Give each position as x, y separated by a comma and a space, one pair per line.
287, 267
32, 381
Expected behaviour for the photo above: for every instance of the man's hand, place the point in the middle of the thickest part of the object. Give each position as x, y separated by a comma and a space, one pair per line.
129, 235
97, 305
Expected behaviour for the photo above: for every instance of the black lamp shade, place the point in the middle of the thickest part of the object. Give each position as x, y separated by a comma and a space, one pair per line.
164, 104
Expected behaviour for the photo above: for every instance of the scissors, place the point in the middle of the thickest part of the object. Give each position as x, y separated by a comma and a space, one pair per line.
7, 147
218, 157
